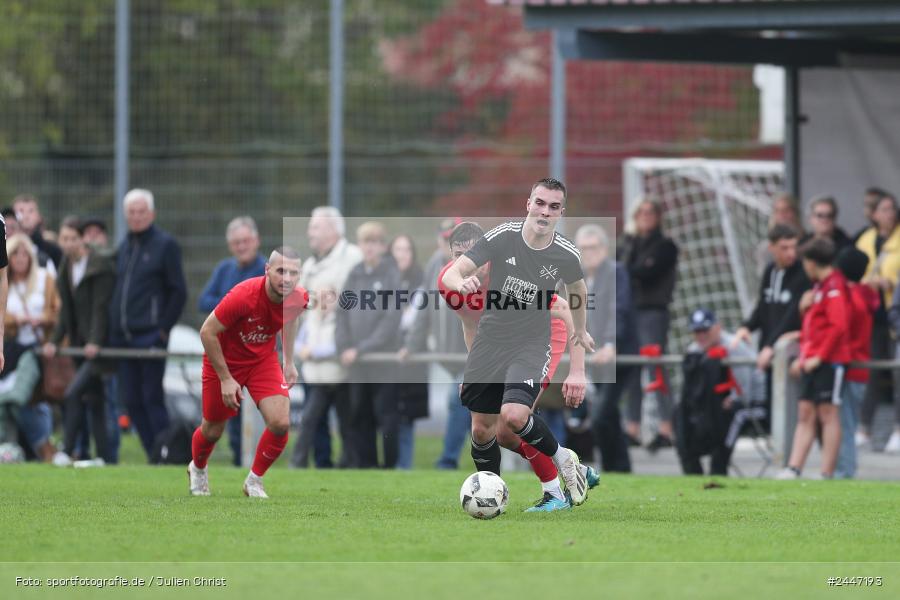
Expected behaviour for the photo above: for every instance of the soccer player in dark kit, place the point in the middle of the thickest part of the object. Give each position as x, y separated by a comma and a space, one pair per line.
510, 354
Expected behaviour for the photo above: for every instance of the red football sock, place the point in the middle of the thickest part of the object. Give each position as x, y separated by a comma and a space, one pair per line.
201, 448
268, 450
541, 464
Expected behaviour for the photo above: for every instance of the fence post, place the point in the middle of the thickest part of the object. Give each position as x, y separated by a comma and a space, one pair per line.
784, 400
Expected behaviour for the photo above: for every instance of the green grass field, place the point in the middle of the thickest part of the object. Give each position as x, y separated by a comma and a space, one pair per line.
402, 534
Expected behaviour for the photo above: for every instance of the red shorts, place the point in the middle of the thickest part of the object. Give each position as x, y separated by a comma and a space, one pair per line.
262, 380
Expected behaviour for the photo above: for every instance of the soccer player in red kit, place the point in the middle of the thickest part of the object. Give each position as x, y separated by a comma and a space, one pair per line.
239, 342
469, 311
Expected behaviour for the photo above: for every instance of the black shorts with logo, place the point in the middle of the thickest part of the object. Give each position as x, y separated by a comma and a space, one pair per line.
494, 377
823, 385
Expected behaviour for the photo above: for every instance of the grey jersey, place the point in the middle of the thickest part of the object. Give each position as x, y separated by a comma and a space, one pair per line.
522, 281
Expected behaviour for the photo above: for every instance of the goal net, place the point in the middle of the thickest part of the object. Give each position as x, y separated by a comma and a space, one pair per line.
717, 211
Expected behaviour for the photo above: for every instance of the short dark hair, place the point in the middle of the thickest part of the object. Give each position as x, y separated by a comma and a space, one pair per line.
819, 250
551, 184
73, 222
825, 199
8, 212
782, 231
287, 252
465, 232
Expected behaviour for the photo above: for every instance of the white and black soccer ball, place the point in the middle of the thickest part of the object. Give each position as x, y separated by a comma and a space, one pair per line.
11, 453
484, 495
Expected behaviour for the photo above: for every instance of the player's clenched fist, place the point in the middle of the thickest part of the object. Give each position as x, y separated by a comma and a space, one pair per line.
469, 285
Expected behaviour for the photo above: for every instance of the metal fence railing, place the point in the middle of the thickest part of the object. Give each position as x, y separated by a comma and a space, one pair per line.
785, 389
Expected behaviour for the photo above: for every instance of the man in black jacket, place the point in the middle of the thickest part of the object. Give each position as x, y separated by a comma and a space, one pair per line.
85, 283
776, 311
370, 326
147, 301
652, 262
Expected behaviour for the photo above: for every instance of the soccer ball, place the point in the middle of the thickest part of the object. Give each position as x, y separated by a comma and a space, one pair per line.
484, 495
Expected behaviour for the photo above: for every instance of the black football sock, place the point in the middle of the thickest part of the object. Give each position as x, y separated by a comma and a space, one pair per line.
487, 456
538, 434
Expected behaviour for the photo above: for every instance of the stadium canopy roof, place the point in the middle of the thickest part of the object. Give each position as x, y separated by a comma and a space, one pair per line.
795, 34
800, 33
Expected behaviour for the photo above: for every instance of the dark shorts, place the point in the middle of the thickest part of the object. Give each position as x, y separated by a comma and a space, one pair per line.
823, 385
494, 377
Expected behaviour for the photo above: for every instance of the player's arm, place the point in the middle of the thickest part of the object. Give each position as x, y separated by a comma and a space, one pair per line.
575, 385
209, 336
288, 339
460, 276
577, 291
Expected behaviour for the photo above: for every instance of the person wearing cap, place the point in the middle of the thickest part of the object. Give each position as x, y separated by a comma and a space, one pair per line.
739, 389
85, 284
864, 301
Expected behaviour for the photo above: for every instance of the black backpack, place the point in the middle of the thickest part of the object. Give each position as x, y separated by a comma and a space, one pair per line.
700, 420
172, 446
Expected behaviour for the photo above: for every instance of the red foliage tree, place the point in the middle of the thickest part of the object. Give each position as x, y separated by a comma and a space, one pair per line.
500, 74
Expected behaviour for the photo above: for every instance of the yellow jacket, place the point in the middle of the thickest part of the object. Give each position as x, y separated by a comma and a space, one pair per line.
887, 263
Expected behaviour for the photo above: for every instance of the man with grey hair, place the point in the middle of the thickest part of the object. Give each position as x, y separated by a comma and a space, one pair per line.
245, 262
333, 257
147, 301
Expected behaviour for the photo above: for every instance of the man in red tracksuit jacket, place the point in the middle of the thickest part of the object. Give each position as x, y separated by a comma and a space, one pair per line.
822, 364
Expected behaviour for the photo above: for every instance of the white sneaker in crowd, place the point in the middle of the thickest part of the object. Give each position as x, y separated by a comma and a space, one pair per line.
93, 462
61, 459
862, 441
893, 444
787, 473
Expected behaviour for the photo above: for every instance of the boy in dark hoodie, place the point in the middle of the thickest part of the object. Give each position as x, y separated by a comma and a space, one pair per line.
864, 302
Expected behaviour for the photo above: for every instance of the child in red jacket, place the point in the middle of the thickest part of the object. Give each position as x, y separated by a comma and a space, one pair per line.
824, 354
864, 301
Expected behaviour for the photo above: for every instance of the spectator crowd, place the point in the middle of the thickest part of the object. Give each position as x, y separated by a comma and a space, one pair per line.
836, 294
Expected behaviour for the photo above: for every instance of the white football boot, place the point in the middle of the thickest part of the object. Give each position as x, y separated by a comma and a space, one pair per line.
253, 487
199, 479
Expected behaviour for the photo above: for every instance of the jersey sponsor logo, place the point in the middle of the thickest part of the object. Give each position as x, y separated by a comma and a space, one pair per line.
549, 272
257, 336
511, 261
523, 291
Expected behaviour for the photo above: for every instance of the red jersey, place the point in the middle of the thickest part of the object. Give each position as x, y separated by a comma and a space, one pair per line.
472, 307
864, 301
825, 332
252, 321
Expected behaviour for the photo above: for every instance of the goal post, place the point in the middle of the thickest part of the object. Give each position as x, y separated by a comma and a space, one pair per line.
717, 212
